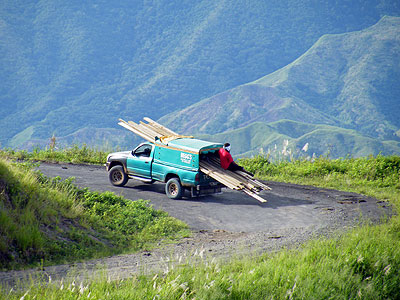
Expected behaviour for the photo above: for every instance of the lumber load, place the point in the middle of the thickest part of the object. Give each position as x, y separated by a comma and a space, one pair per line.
151, 131
211, 166
236, 180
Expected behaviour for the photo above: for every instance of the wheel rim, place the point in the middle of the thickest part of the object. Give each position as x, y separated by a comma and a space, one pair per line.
173, 189
116, 176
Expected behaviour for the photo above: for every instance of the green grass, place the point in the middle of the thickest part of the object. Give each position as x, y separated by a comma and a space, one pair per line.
363, 263
49, 221
376, 176
75, 154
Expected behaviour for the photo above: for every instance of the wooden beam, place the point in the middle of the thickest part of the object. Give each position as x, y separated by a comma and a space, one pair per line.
221, 174
227, 177
255, 196
130, 128
244, 177
227, 181
154, 123
221, 178
148, 130
139, 130
160, 131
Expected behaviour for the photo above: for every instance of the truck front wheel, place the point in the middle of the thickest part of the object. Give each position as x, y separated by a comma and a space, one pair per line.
174, 189
117, 176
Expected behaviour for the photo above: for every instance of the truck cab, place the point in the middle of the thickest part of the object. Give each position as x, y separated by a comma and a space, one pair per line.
174, 162
139, 163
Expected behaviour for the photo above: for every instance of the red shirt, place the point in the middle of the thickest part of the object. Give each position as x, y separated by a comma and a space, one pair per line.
225, 157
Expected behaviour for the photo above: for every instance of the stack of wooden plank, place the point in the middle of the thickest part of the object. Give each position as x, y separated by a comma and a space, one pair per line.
238, 180
150, 131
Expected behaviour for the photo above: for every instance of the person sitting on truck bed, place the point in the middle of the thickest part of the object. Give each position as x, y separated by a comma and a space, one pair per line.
227, 161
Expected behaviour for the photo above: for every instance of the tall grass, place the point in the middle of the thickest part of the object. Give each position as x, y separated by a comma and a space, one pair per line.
52, 220
74, 154
373, 176
363, 264
384, 170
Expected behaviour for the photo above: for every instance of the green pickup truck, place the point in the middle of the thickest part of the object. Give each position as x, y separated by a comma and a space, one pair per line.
175, 163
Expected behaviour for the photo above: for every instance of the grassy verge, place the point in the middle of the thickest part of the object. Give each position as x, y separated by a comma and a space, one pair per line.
361, 264
74, 154
372, 176
47, 221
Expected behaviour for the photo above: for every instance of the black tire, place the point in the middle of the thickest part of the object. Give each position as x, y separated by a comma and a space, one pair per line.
174, 189
117, 176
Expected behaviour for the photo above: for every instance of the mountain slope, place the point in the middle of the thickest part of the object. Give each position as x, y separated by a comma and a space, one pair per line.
350, 81
354, 77
328, 140
70, 65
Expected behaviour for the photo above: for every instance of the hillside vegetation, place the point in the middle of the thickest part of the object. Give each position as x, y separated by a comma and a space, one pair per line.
327, 140
73, 154
341, 97
45, 221
73, 68
363, 263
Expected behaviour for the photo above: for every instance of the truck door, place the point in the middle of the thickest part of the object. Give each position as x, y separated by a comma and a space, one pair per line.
139, 163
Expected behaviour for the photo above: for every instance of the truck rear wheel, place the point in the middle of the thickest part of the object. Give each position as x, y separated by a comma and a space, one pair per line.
174, 189
117, 176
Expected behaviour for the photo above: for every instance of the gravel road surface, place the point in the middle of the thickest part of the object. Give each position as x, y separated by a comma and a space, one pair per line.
223, 225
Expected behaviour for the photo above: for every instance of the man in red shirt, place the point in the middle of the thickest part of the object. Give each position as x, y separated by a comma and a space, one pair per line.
227, 162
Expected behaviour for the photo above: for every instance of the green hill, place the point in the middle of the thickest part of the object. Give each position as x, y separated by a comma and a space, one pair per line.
349, 83
269, 138
66, 66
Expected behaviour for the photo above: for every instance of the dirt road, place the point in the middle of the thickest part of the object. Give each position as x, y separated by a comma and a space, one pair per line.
231, 222
288, 206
